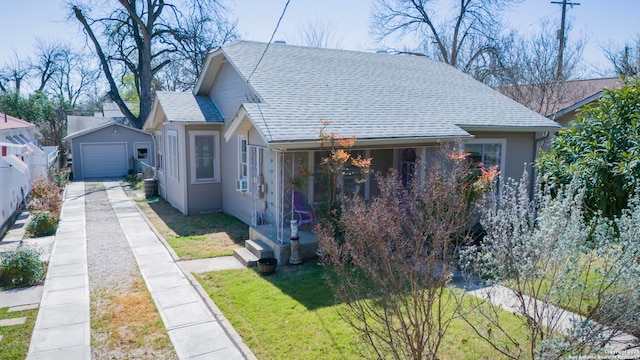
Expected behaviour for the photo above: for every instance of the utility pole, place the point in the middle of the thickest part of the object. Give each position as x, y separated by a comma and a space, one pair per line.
561, 36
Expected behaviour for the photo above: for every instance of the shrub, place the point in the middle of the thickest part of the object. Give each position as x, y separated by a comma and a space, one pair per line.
21, 266
45, 196
42, 223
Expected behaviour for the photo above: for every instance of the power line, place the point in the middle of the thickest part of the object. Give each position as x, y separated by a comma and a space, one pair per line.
561, 36
273, 34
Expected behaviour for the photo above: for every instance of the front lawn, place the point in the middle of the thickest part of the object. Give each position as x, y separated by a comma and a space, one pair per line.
16, 338
292, 315
196, 236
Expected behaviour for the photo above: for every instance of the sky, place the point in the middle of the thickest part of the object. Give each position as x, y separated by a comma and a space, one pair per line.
600, 21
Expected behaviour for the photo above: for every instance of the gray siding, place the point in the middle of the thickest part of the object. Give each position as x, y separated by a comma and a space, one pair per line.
520, 151
106, 135
235, 202
202, 198
229, 91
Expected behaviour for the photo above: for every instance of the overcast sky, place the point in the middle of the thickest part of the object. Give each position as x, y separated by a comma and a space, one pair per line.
601, 21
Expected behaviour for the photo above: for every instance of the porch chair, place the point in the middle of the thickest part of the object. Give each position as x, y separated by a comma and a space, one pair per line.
304, 211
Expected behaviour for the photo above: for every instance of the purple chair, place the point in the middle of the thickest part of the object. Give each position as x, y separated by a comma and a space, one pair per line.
303, 210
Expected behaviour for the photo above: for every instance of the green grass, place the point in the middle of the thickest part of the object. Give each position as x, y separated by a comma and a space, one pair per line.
16, 338
292, 315
196, 236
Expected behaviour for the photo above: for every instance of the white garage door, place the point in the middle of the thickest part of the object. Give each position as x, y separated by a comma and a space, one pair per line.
104, 160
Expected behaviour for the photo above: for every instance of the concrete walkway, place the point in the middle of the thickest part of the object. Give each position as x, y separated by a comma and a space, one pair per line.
192, 327
62, 328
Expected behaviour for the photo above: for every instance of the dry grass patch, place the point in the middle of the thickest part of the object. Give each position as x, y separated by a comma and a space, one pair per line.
196, 236
126, 325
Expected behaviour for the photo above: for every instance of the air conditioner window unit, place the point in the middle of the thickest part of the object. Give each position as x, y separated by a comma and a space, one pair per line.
241, 185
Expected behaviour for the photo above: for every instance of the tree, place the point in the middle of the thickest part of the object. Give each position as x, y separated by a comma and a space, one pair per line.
601, 149
318, 34
136, 38
15, 70
392, 258
47, 112
543, 261
463, 33
625, 61
527, 70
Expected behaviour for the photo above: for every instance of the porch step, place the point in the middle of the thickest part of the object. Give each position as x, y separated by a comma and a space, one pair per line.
258, 248
245, 257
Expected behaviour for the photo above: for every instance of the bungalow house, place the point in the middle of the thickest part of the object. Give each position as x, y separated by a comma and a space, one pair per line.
239, 141
21, 162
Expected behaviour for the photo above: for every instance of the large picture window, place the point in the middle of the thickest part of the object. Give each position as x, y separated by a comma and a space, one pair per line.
205, 164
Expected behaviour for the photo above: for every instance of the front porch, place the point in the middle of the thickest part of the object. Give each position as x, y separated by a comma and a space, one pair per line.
282, 251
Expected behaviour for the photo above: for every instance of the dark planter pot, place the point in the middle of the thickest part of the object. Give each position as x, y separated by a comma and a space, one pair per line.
267, 266
150, 188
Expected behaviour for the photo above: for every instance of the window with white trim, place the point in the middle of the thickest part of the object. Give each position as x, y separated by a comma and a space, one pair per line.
172, 154
243, 159
160, 151
205, 163
487, 153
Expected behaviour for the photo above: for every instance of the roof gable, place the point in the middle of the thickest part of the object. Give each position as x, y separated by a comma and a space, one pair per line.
100, 127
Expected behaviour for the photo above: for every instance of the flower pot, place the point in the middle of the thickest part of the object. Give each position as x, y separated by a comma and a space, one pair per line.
267, 266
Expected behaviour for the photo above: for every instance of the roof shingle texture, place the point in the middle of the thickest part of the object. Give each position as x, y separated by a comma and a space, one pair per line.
184, 106
367, 95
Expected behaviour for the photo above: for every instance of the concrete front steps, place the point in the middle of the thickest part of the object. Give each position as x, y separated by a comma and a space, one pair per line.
252, 252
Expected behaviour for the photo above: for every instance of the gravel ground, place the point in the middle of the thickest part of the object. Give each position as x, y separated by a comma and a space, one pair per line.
117, 289
110, 259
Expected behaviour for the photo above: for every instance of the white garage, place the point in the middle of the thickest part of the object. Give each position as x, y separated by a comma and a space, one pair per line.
104, 160
109, 150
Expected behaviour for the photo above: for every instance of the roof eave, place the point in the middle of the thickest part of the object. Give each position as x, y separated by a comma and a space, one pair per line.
506, 128
315, 144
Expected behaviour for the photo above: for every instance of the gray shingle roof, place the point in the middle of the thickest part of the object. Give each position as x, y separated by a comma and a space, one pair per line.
184, 106
368, 95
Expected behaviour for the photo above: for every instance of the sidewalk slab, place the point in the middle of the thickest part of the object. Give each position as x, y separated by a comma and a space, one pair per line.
21, 296
214, 264
12, 322
62, 328
192, 327
23, 307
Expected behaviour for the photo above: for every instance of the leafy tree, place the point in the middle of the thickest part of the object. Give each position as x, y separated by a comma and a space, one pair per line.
602, 149
47, 112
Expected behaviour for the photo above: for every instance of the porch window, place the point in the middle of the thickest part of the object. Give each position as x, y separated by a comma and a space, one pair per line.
204, 156
172, 154
243, 159
255, 156
160, 152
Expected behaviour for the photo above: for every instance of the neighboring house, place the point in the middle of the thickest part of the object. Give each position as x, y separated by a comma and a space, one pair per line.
561, 101
259, 123
21, 162
110, 113
109, 150
577, 95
